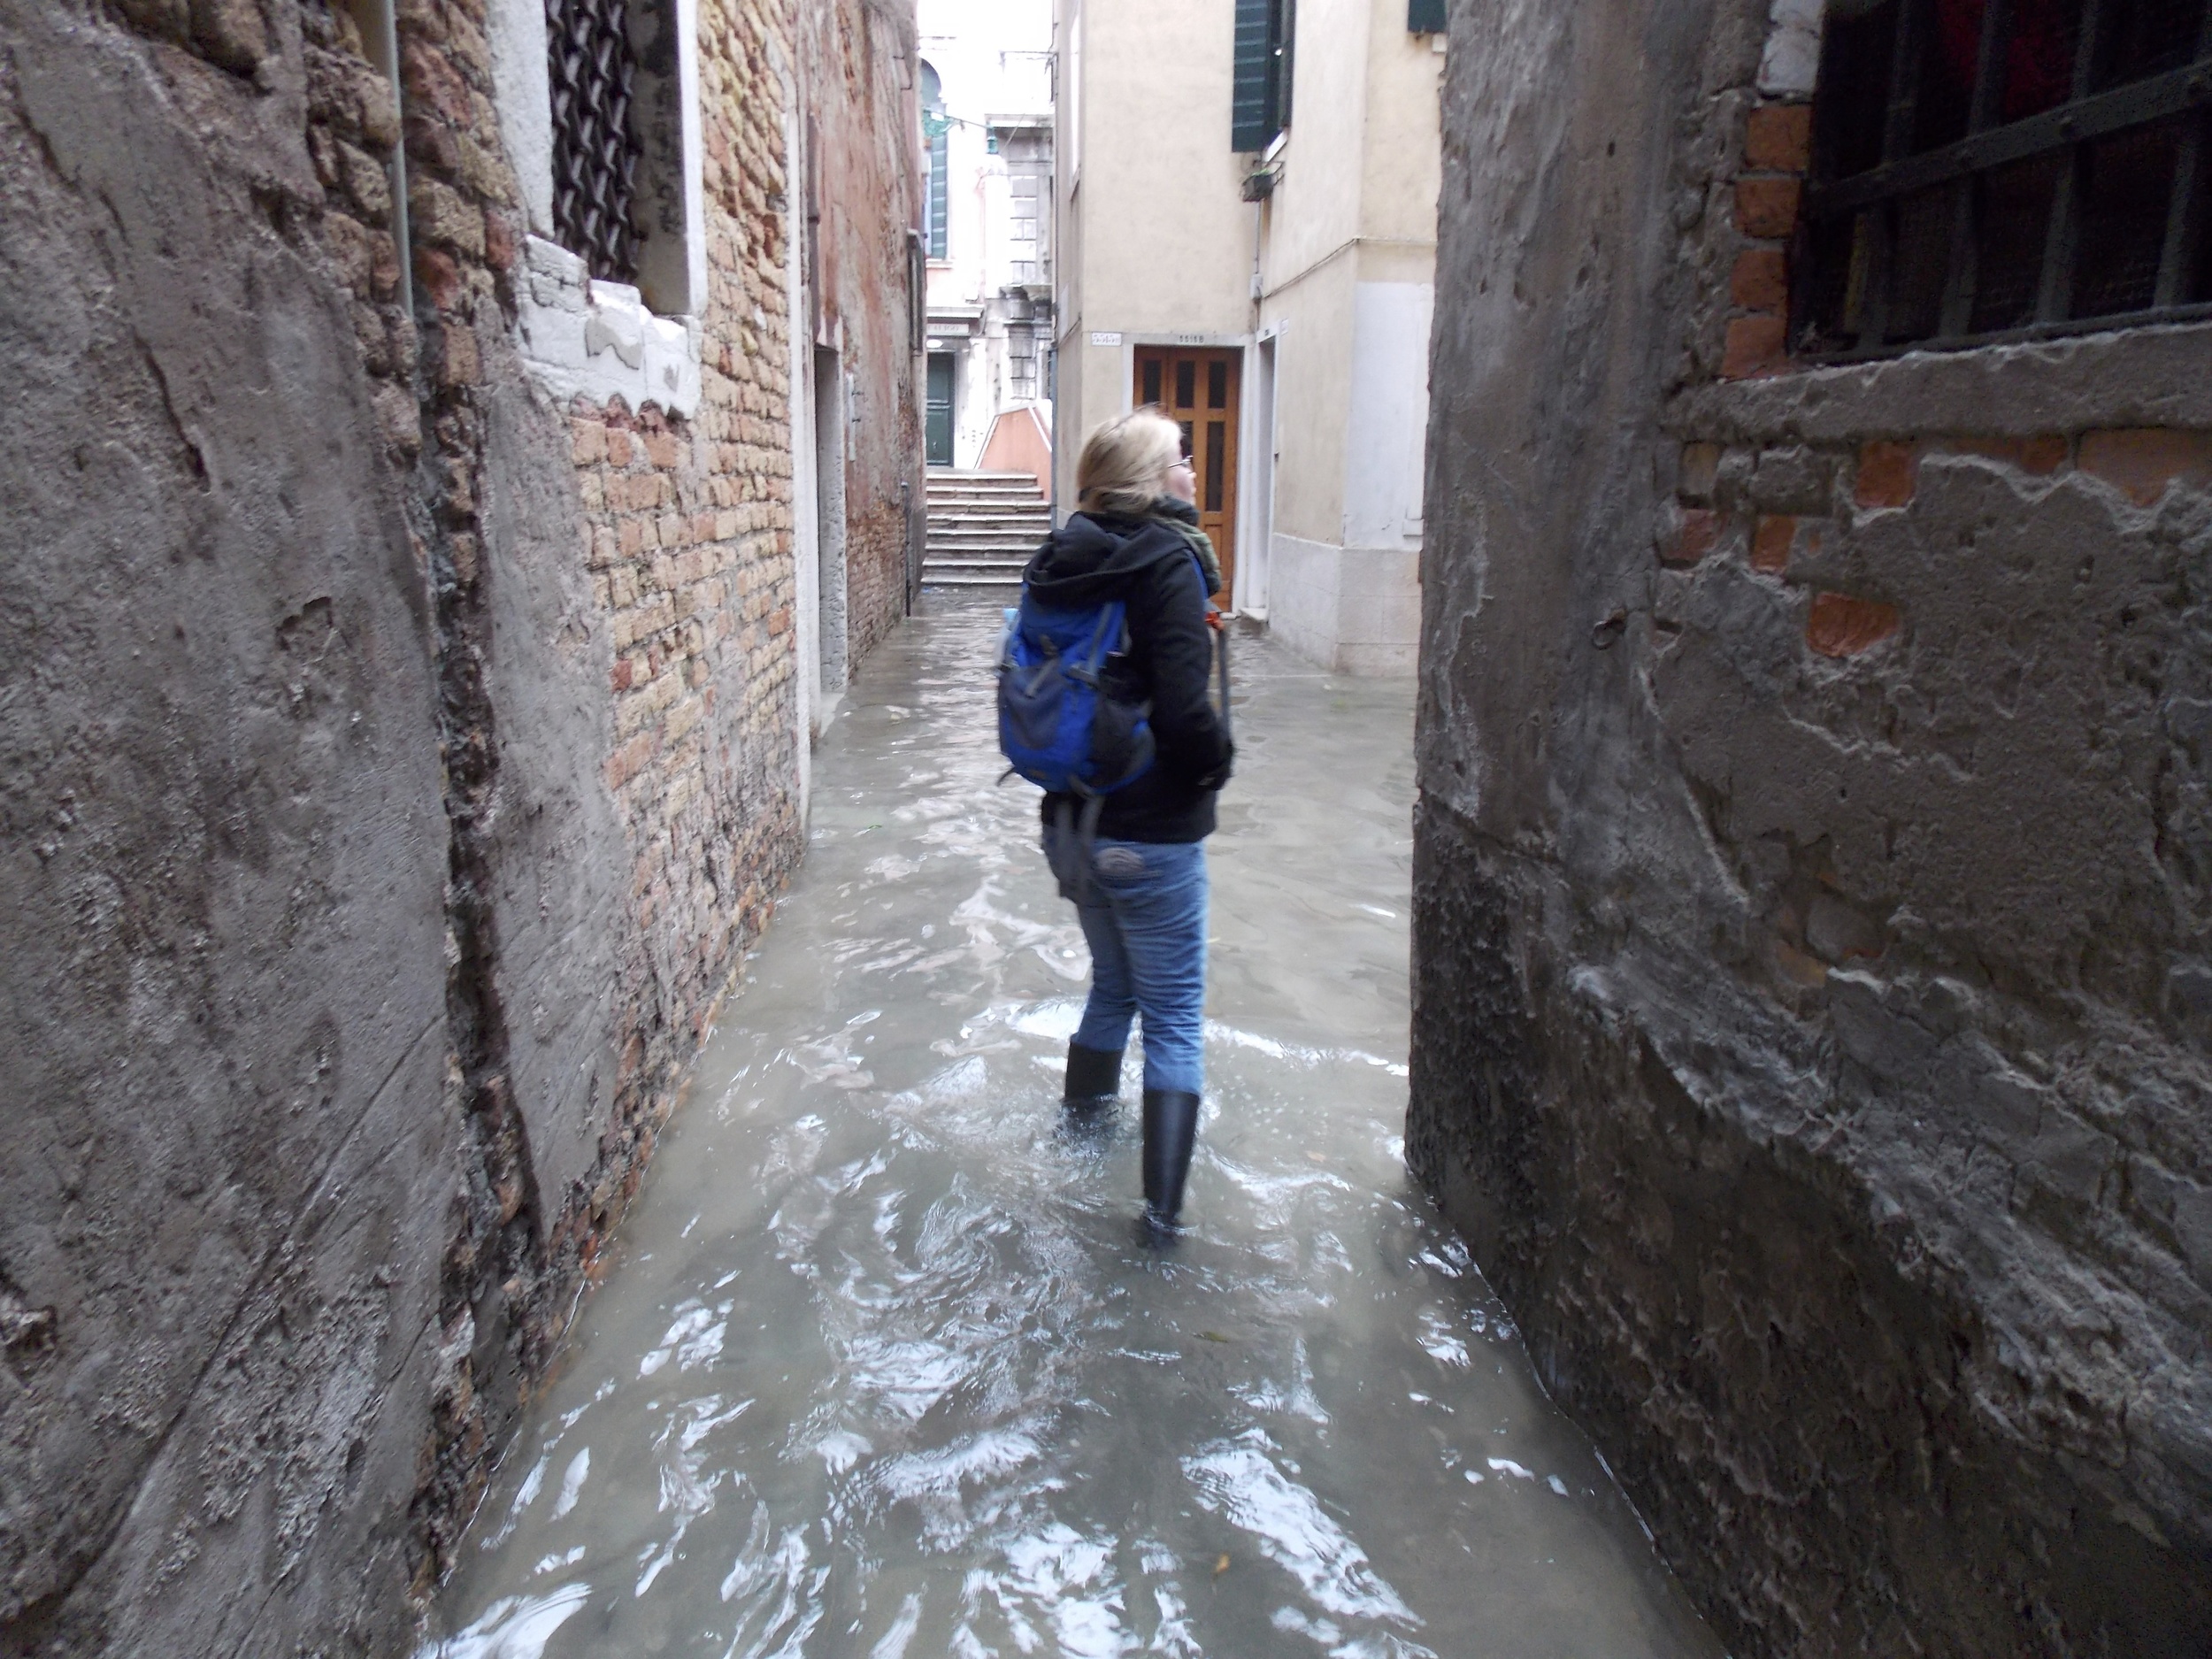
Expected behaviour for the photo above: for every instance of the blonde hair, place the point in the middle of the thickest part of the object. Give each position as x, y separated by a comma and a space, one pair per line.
1124, 463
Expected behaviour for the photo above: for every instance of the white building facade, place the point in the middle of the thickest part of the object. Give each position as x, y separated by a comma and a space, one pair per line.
1248, 234
987, 129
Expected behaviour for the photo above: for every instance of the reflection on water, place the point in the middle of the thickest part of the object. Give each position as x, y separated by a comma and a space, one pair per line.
884, 1367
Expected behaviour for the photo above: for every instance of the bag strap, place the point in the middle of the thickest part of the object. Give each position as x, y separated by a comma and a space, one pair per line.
1221, 655
1221, 640
1077, 845
1111, 618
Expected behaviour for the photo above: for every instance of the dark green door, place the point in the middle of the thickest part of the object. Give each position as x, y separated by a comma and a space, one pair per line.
938, 438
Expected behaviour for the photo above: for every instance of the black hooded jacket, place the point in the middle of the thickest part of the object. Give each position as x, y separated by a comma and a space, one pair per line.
1149, 566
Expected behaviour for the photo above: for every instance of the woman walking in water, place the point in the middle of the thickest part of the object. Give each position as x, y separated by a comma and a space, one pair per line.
1143, 898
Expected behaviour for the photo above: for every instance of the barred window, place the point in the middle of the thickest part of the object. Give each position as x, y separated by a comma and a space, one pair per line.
1993, 169
594, 74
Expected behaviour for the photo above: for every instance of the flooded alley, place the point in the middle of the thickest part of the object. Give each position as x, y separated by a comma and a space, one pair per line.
883, 1365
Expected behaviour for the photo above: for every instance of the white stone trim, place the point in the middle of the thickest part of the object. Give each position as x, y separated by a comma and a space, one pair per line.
601, 339
598, 338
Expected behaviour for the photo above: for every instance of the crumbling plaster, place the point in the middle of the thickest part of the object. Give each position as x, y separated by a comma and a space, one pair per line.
224, 950
1809, 1019
402, 751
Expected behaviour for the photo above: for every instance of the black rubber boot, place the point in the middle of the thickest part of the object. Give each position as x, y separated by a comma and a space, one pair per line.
1094, 1075
1171, 1129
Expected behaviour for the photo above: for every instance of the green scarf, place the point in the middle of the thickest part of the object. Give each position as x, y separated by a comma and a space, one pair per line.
1169, 512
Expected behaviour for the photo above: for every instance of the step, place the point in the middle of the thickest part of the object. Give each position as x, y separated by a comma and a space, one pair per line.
1029, 534
985, 540
988, 567
988, 504
972, 561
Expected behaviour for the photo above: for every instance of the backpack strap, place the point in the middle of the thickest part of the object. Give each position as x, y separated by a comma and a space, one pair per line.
1220, 634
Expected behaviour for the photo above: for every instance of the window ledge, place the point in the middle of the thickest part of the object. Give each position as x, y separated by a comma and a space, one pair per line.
598, 340
2151, 375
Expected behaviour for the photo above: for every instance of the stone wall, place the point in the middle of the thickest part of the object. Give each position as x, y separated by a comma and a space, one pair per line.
1811, 887
401, 758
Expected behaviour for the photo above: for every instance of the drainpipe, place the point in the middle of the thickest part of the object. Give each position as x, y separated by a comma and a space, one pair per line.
378, 23
1257, 209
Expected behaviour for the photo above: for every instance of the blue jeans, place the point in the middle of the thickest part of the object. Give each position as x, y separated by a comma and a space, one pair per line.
1145, 919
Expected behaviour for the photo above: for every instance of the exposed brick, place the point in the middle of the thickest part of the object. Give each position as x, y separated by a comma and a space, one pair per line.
1701, 471
1838, 625
1771, 542
2040, 456
459, 363
1767, 207
1888, 473
1693, 537
1778, 137
438, 213
1761, 280
1755, 345
2144, 462
439, 275
499, 242
350, 250
431, 79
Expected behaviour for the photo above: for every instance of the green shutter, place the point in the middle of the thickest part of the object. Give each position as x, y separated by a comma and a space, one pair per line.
1283, 40
939, 172
1424, 16
1251, 108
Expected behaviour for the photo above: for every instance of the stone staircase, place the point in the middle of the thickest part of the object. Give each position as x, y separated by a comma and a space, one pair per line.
983, 526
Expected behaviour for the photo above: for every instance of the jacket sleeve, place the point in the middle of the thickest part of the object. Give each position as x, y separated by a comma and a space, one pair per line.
1192, 745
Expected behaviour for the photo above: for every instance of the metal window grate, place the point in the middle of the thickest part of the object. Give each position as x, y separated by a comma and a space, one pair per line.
594, 151
1994, 169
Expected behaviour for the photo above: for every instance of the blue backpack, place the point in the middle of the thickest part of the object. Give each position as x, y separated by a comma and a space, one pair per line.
1058, 726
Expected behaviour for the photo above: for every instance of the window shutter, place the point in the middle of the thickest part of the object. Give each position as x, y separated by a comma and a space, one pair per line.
939, 174
1424, 16
1251, 109
1283, 39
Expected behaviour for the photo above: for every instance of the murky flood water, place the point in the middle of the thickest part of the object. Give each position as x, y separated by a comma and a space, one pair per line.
884, 1367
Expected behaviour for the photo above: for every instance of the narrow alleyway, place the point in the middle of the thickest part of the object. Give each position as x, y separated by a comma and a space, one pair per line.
880, 1366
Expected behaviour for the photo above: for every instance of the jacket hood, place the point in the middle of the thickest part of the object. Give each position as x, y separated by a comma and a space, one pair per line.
1090, 559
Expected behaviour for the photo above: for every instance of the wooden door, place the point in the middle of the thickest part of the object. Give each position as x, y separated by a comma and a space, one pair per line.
1198, 389
937, 431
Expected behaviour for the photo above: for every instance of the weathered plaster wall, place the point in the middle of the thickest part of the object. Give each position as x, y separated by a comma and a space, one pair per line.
1810, 877
232, 1150
399, 761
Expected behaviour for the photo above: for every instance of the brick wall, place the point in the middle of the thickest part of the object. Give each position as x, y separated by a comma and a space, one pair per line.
1810, 917
865, 199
